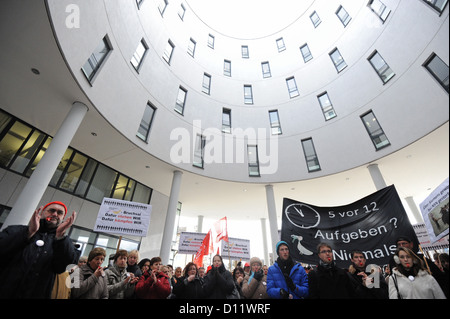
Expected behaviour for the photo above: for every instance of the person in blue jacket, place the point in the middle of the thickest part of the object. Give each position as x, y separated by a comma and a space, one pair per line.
285, 278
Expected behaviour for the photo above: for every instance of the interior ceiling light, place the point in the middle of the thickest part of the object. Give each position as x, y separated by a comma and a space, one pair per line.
35, 71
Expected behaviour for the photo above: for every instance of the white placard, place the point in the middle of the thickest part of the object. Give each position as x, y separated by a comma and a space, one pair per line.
123, 218
239, 248
190, 242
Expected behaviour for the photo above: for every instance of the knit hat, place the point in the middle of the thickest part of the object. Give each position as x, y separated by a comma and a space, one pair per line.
59, 203
281, 243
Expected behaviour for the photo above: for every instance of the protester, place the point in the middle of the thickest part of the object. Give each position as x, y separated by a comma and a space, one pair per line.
218, 282
201, 272
255, 283
368, 282
34, 254
90, 281
121, 283
431, 266
144, 265
410, 280
133, 263
153, 284
285, 278
327, 281
238, 278
190, 285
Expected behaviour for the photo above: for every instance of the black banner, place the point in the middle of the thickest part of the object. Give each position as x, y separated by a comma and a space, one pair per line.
371, 224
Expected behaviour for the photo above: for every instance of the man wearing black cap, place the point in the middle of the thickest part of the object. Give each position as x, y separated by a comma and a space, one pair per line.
285, 278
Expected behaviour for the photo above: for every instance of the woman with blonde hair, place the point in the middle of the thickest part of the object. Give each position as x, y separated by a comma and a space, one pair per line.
410, 278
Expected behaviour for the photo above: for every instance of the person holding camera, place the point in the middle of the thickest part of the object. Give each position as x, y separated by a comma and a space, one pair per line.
255, 282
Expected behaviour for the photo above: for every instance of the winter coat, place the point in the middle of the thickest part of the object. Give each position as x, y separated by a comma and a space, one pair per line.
256, 289
147, 288
424, 286
28, 270
218, 283
379, 289
184, 289
117, 287
276, 281
330, 283
86, 285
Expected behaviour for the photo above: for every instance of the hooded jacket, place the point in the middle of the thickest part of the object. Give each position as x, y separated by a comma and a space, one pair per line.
423, 286
29, 266
276, 282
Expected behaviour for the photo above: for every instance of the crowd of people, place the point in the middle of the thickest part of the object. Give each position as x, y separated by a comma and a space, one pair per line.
41, 252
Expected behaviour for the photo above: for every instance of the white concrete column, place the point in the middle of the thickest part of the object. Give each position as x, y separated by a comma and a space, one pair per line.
33, 191
199, 223
377, 178
264, 238
272, 212
414, 209
166, 244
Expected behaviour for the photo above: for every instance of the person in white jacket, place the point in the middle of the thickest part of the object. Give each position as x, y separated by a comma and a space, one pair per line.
411, 280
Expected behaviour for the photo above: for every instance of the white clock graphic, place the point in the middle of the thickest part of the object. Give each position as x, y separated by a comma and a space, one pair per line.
302, 216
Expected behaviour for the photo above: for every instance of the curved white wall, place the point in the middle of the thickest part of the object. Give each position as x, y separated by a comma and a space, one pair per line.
409, 106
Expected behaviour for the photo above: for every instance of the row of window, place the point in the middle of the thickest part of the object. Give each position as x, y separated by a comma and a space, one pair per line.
374, 130
376, 6
22, 147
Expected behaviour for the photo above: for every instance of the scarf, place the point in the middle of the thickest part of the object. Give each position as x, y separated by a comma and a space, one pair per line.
326, 265
285, 265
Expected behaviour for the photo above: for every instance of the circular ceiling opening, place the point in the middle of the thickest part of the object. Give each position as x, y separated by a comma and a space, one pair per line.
249, 19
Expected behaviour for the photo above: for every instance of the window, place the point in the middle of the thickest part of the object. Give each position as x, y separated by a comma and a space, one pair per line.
379, 139
206, 87
162, 6
211, 41
182, 11
146, 122
227, 68
338, 60
76, 173
280, 44
226, 120
138, 56
245, 52
315, 19
92, 65
438, 69
168, 52
327, 107
384, 71
275, 122
199, 151
292, 87
343, 16
102, 184
266, 70
71, 173
380, 9
253, 161
438, 5
307, 56
312, 161
88, 239
4, 212
191, 47
248, 94
181, 100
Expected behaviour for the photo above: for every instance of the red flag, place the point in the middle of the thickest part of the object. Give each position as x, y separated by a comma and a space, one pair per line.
203, 250
218, 232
